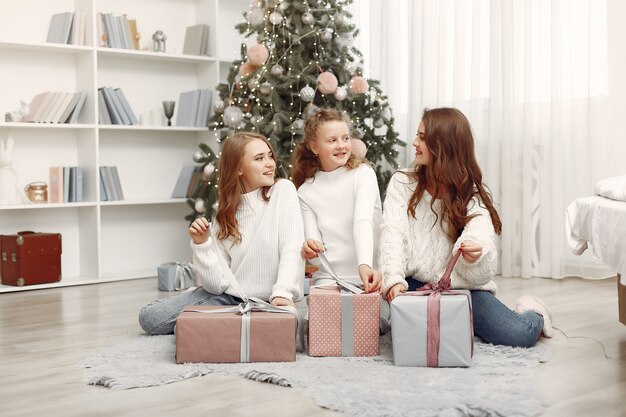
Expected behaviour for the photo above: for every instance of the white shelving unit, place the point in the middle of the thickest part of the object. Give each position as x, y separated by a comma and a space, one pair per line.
109, 241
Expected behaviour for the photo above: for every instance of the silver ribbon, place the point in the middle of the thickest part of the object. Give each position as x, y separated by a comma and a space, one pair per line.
248, 306
182, 269
347, 289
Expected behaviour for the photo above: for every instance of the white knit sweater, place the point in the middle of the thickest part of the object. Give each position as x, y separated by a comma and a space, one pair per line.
266, 262
419, 248
342, 210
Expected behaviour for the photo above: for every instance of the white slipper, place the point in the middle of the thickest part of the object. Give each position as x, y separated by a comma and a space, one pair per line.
532, 303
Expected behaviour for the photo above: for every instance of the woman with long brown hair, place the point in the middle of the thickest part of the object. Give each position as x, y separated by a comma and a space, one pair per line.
255, 240
442, 206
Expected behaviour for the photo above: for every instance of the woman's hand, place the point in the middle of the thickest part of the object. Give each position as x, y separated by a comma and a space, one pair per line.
471, 251
311, 248
282, 302
199, 230
371, 278
394, 291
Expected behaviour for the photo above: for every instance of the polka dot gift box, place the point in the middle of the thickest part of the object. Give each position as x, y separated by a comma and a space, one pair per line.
342, 323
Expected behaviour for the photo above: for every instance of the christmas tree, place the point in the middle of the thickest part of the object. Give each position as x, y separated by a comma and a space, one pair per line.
300, 58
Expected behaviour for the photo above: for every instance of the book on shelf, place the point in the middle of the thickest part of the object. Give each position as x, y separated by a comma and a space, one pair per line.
193, 108
110, 183
196, 40
75, 109
60, 29
184, 179
78, 29
117, 107
196, 181
116, 30
56, 184
56, 107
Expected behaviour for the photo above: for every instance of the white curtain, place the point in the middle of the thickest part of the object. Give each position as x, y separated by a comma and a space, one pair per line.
531, 76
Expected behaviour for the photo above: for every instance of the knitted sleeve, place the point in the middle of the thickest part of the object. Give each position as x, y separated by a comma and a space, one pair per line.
480, 230
393, 247
290, 279
366, 196
211, 262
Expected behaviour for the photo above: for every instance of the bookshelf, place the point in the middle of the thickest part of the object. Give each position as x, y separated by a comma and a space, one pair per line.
110, 240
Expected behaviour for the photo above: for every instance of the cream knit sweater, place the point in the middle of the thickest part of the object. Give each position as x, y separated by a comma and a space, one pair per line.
418, 247
267, 262
342, 210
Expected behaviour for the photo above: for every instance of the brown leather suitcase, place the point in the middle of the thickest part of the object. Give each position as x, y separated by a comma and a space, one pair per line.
30, 258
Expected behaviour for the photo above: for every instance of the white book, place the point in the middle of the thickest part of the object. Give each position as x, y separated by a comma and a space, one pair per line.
62, 105
70, 107
36, 105
101, 40
51, 108
194, 39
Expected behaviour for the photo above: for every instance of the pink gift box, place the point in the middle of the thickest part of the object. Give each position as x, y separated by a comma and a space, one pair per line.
342, 323
217, 337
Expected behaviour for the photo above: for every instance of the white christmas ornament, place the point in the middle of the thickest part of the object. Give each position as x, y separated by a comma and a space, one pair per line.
378, 123
255, 16
327, 35
265, 88
386, 114
276, 18
341, 93
340, 20
209, 169
232, 116
199, 206
308, 19
277, 70
307, 94
298, 125
198, 156
218, 106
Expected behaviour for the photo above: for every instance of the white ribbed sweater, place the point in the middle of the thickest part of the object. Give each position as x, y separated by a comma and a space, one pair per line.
418, 247
342, 209
267, 262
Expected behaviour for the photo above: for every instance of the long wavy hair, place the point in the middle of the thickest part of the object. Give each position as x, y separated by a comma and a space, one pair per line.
304, 162
452, 175
230, 186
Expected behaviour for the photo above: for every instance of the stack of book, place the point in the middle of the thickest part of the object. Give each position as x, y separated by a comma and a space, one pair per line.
193, 108
110, 185
196, 40
56, 107
113, 108
66, 184
67, 28
117, 31
189, 178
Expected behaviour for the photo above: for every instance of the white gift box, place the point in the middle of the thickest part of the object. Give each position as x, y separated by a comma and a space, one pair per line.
409, 329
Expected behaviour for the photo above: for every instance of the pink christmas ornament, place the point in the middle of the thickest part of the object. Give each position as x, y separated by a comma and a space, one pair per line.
246, 69
258, 54
358, 85
327, 83
359, 148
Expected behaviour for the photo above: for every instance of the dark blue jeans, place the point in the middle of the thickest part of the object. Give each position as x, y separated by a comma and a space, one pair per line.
496, 323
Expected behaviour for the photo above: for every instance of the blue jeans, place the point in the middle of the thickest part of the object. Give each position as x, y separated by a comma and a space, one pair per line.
496, 323
159, 317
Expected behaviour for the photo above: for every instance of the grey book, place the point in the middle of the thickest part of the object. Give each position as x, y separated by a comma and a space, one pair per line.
182, 184
117, 185
195, 39
78, 108
60, 28
127, 109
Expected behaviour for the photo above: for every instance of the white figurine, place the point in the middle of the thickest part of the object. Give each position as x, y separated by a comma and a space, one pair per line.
10, 192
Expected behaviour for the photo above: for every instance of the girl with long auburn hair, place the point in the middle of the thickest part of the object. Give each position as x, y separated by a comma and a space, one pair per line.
255, 239
340, 203
442, 206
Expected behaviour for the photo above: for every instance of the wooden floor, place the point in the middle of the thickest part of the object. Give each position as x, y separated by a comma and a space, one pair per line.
44, 334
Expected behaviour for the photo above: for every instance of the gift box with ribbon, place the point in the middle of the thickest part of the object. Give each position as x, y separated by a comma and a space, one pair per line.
253, 331
175, 276
343, 320
433, 326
